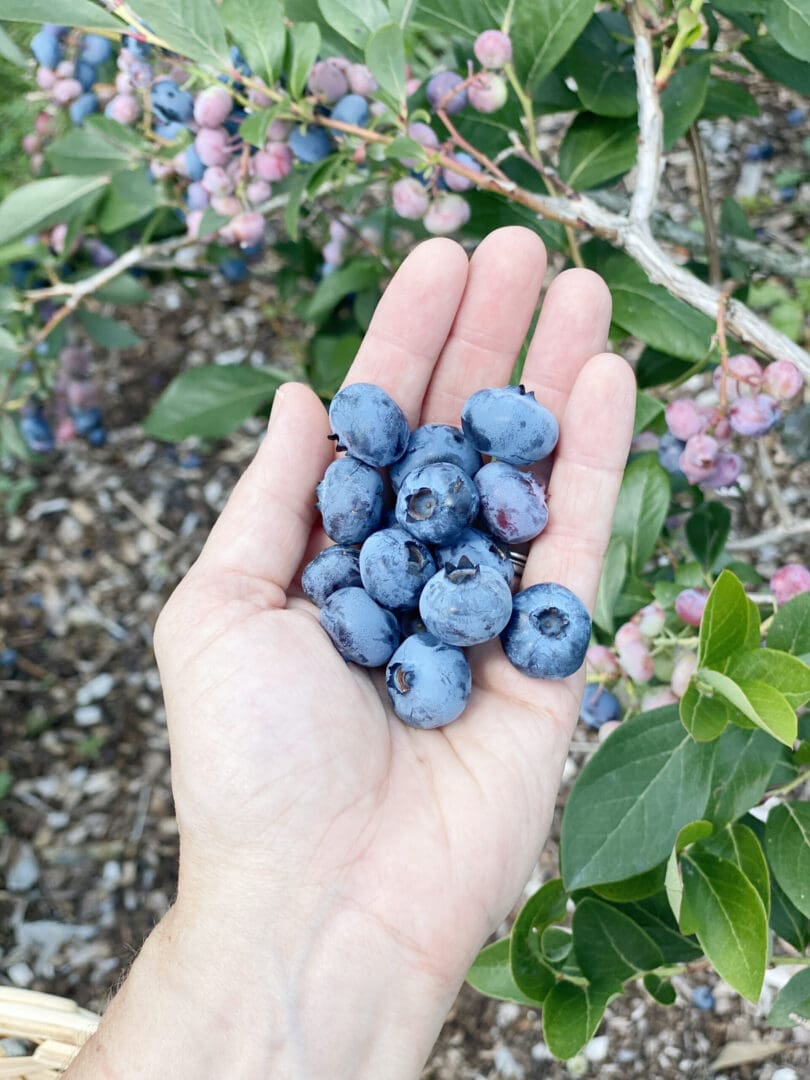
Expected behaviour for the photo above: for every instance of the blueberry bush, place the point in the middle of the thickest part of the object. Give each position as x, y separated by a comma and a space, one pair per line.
353, 130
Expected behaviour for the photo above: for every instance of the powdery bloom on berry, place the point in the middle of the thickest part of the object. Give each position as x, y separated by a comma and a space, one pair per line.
487, 92
650, 620
699, 458
212, 146
725, 472
754, 416
685, 667
782, 379
789, 581
446, 214
493, 49
361, 81
636, 661
684, 419
410, 198
257, 191
212, 107
689, 605
273, 163
602, 660
327, 81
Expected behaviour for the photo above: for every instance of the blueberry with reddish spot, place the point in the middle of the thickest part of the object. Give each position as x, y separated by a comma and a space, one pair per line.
510, 424
395, 567
350, 499
336, 567
429, 682
548, 634
435, 442
435, 502
362, 631
480, 549
466, 604
369, 424
513, 504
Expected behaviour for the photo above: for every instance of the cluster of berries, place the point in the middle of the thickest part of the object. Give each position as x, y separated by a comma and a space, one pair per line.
73, 411
412, 584
432, 195
631, 657
750, 400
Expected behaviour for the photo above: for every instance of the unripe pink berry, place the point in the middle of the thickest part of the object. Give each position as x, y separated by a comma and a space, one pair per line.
193, 221
212, 146
30, 143
65, 431
82, 394
66, 90
361, 81
411, 86
123, 83
161, 170
493, 49
684, 419
43, 125
124, 108
754, 416
689, 605
273, 163
37, 161
602, 660
726, 470
699, 458
216, 181
636, 661
627, 633
789, 581
650, 620
722, 429
46, 79
410, 198
140, 74
226, 205
258, 191
342, 63
745, 368
782, 379
212, 107
607, 729
658, 698
57, 238
685, 668
327, 81
487, 92
446, 214
278, 131
260, 96
66, 69
248, 227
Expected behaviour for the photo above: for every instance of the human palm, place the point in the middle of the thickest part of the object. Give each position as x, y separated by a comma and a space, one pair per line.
291, 772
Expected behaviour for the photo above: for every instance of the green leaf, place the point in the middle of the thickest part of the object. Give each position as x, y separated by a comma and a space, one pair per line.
305, 43
355, 19
42, 203
68, 12
571, 1015
89, 150
789, 22
609, 946
602, 67
210, 401
739, 845
787, 843
641, 508
597, 149
790, 629
648, 780
491, 974
705, 716
655, 917
257, 27
787, 921
707, 531
192, 28
785, 673
730, 917
633, 888
614, 569
654, 368
331, 358
10, 50
352, 277
660, 990
726, 98
648, 311
792, 1001
108, 332
543, 33
691, 834
773, 61
682, 100
757, 701
132, 196
730, 622
125, 289
743, 763
648, 410
385, 56
556, 943
531, 972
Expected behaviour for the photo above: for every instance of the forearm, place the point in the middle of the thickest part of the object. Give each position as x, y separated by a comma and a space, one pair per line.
333, 1000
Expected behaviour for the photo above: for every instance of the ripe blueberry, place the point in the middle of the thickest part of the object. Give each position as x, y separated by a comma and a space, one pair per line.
369, 424
336, 567
510, 424
350, 499
362, 631
547, 636
513, 504
395, 567
466, 604
429, 682
435, 442
435, 502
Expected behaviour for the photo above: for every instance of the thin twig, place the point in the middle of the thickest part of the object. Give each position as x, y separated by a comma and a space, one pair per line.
650, 122
722, 344
706, 208
777, 535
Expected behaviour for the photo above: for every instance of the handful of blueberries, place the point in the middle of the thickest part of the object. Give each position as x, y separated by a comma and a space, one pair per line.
410, 587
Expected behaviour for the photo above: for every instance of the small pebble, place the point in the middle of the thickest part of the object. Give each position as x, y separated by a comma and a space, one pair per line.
597, 1049
506, 1066
87, 715
577, 1066
785, 1074
97, 689
15, 1047
20, 974
23, 873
